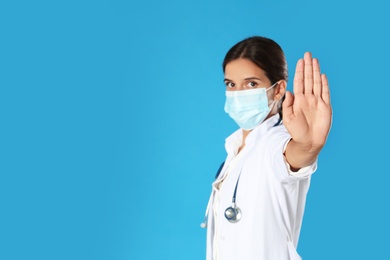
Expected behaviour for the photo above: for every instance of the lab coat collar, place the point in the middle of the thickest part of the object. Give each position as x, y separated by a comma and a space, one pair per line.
262, 128
234, 141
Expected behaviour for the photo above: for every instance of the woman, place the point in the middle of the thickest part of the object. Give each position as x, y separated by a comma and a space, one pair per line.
258, 198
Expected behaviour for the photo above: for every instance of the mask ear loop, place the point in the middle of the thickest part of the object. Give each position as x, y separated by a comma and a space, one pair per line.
279, 106
273, 85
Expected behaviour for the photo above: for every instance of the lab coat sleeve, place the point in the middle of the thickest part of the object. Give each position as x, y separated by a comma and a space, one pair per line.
305, 171
277, 145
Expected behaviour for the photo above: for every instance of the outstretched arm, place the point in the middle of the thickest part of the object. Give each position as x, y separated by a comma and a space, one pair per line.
307, 114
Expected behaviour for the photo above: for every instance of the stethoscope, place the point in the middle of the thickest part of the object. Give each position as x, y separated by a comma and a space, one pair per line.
233, 213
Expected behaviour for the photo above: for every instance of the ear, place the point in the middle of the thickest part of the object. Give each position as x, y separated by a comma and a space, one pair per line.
280, 90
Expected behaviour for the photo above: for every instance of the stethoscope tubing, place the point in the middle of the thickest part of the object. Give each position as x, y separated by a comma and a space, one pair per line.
234, 206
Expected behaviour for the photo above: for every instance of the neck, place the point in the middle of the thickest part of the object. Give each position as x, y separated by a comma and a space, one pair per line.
245, 133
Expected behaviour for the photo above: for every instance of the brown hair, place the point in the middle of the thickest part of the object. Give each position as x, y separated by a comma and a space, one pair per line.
264, 52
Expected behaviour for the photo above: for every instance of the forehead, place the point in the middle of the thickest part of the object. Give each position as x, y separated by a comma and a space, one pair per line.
243, 68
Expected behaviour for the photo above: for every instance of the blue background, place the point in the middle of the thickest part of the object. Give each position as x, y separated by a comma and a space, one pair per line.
112, 124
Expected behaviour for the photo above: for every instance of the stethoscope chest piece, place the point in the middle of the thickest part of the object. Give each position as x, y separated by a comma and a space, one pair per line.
233, 213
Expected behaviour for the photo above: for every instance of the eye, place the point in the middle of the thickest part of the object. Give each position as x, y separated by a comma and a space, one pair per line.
230, 84
252, 84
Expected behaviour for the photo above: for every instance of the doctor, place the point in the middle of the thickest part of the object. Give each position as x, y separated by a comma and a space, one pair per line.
257, 203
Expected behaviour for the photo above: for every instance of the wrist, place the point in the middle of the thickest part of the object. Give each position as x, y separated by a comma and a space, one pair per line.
310, 148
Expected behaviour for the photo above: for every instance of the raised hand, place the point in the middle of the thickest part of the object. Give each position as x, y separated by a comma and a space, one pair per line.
307, 114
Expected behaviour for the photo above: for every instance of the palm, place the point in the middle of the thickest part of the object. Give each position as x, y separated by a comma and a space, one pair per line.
308, 114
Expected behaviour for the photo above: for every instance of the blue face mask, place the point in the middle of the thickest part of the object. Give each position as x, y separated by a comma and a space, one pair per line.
248, 108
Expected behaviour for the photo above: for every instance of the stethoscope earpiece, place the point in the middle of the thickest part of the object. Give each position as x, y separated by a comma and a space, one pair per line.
233, 214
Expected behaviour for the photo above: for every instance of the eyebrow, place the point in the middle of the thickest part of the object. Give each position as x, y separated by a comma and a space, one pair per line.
253, 78
250, 78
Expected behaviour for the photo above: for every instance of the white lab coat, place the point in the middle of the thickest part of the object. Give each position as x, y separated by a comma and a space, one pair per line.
271, 200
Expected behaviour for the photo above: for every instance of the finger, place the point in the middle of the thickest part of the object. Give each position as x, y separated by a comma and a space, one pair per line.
325, 89
287, 106
298, 78
308, 70
317, 87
